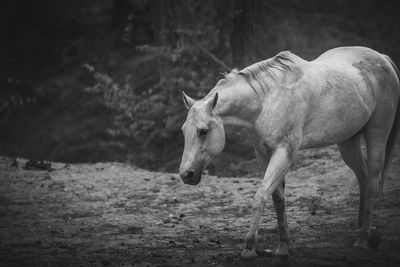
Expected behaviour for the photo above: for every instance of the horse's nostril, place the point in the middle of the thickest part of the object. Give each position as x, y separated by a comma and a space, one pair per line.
189, 175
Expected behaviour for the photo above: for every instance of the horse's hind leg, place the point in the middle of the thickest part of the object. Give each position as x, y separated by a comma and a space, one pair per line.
376, 143
278, 197
351, 151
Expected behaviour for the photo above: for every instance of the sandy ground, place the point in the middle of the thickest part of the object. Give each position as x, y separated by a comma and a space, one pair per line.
112, 214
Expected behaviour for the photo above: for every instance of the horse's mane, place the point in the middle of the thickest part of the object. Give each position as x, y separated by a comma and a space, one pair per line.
227, 77
260, 74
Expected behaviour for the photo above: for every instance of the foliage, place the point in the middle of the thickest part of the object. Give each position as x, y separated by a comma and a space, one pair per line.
153, 116
11, 101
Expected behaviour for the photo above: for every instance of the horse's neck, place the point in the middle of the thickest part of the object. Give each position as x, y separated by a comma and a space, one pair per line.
237, 106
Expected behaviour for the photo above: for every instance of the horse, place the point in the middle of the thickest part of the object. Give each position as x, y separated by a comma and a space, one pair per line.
347, 96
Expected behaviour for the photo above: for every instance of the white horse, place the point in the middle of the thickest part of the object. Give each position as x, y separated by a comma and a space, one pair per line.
286, 104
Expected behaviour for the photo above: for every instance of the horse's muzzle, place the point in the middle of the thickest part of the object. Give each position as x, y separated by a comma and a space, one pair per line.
190, 177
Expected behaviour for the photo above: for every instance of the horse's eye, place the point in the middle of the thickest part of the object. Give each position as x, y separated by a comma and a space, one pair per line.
202, 132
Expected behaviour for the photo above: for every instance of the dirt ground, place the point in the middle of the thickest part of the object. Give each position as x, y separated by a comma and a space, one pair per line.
112, 214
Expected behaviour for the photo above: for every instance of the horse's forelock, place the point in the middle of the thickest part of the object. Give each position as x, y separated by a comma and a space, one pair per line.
198, 113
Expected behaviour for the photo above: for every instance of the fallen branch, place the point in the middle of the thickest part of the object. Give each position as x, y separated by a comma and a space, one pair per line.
205, 51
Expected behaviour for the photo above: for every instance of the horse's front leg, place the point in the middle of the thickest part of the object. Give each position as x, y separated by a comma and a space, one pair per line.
278, 166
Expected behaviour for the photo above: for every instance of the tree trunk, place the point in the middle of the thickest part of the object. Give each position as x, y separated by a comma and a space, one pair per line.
243, 32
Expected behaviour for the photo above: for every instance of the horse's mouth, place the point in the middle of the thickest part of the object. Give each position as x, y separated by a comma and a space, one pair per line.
192, 178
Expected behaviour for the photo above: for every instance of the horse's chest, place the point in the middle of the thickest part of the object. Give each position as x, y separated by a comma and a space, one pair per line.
272, 130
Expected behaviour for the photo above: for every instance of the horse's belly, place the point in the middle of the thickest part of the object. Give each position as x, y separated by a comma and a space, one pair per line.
328, 136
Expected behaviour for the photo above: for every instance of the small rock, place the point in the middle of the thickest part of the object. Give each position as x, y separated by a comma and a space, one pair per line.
214, 240
38, 165
328, 212
134, 230
155, 190
14, 163
269, 252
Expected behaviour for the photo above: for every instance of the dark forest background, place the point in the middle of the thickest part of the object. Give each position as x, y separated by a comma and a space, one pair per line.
87, 81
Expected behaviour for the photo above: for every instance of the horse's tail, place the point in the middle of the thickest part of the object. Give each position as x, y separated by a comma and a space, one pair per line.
391, 142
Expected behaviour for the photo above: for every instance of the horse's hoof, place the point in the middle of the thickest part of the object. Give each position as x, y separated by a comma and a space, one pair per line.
373, 241
280, 260
375, 238
248, 253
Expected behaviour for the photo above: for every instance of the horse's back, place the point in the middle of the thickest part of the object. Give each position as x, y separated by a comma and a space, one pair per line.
348, 54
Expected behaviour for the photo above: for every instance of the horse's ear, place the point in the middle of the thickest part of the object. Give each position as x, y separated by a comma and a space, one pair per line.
215, 100
187, 100
212, 102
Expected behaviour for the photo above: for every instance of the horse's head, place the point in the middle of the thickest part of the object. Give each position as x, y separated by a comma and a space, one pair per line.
204, 138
